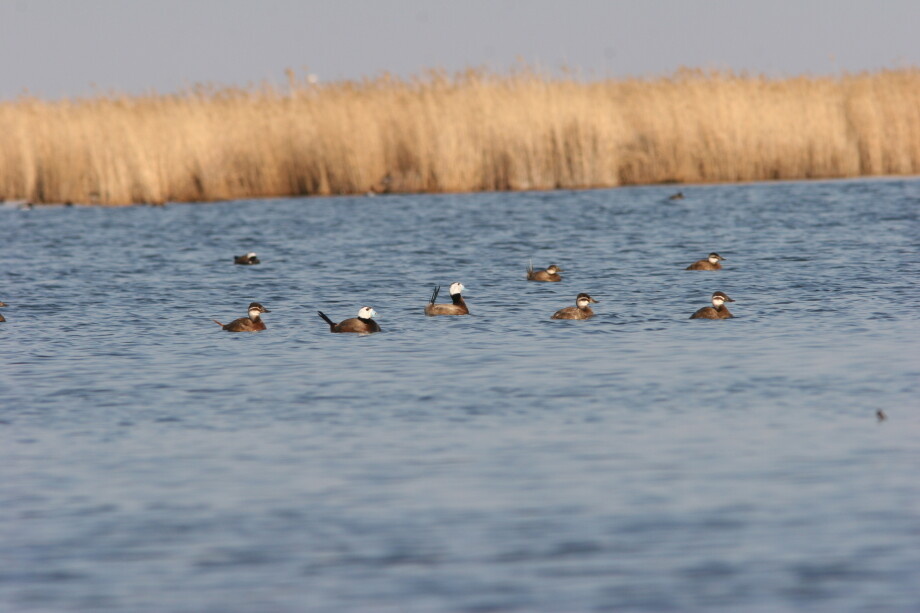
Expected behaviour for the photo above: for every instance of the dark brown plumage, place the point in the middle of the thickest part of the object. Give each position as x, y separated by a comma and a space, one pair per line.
362, 324
551, 274
457, 306
581, 310
247, 259
718, 310
710, 263
252, 323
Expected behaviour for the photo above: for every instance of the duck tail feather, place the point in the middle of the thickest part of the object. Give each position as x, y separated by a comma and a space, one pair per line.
326, 319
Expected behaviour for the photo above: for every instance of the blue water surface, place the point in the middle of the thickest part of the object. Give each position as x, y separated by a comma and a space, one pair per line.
639, 461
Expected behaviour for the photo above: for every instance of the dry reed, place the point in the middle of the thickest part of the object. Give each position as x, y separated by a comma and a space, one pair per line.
467, 132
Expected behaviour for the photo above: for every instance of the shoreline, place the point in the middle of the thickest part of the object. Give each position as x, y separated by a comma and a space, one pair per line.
467, 133
20, 204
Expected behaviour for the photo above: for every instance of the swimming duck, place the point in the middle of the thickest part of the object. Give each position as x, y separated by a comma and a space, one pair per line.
710, 263
246, 259
718, 310
362, 324
458, 307
581, 310
677, 196
252, 323
550, 274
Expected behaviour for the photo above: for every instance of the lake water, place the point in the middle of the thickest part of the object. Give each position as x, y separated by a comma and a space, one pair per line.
639, 461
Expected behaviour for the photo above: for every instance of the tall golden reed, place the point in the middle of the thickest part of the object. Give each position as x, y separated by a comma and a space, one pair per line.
465, 132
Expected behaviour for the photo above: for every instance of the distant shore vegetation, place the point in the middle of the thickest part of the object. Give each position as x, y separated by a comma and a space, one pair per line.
471, 131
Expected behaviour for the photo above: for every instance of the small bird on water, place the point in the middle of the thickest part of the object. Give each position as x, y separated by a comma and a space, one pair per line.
246, 259
551, 274
457, 306
718, 310
880, 415
581, 310
362, 324
710, 263
252, 323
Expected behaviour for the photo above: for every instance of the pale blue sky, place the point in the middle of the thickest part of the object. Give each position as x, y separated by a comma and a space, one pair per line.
62, 47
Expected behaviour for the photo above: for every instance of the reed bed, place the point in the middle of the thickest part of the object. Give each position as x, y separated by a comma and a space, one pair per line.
466, 132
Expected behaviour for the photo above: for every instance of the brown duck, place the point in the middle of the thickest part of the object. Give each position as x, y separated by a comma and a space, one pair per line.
718, 310
581, 310
362, 324
710, 263
457, 306
252, 323
246, 259
551, 273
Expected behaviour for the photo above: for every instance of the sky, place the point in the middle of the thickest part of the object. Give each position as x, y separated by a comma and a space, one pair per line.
66, 48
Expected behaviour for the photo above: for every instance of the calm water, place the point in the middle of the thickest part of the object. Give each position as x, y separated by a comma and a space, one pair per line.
639, 461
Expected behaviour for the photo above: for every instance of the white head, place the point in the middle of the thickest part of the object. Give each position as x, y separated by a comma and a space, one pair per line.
250, 255
366, 312
456, 288
553, 269
714, 258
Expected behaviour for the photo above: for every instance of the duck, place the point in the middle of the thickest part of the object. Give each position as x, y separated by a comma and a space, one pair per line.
581, 310
246, 259
551, 274
458, 306
2, 304
677, 196
362, 324
718, 310
252, 323
710, 263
